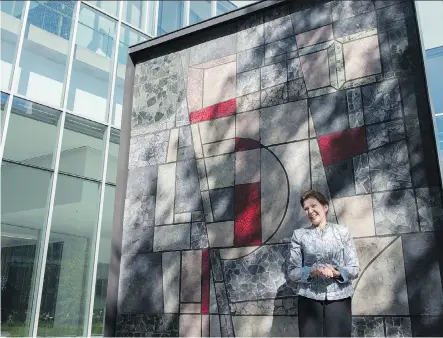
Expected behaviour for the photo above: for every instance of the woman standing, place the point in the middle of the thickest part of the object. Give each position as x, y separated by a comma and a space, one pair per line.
324, 261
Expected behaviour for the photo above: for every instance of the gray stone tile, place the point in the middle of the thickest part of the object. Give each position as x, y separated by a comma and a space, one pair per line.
297, 90
220, 171
408, 94
184, 137
361, 174
341, 179
147, 150
213, 306
247, 166
199, 236
171, 280
213, 49
285, 306
347, 9
226, 327
164, 213
430, 208
273, 75
389, 14
140, 197
207, 206
265, 326
190, 325
250, 59
275, 59
384, 133
247, 125
395, 212
191, 276
216, 265
172, 237
187, 195
274, 191
329, 113
281, 47
259, 275
250, 32
147, 325
217, 130
274, 95
381, 286
314, 17
354, 25
316, 69
248, 102
214, 326
382, 101
221, 234
278, 28
222, 201
137, 241
389, 167
355, 108
284, 123
398, 327
136, 270
427, 326
248, 82
198, 216
367, 327
186, 153
222, 299
423, 256
294, 69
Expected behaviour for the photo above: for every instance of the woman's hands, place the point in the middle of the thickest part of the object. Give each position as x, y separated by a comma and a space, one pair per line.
327, 271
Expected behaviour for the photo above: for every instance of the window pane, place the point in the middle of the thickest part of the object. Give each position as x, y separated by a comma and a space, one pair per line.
82, 148
24, 206
64, 298
170, 16
10, 23
104, 254
4, 100
45, 51
128, 37
224, 7
200, 10
109, 6
92, 64
114, 145
32, 134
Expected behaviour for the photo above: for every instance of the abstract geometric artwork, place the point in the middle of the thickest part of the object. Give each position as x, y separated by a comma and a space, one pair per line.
228, 132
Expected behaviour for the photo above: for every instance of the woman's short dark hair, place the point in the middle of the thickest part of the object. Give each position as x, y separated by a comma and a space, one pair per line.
314, 194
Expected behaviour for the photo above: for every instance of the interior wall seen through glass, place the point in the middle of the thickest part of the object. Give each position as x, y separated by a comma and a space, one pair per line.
109, 6
11, 13
170, 16
92, 64
3, 102
114, 145
25, 195
32, 134
200, 10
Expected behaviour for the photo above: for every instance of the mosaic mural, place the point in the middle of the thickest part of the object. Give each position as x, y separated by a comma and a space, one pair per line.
228, 133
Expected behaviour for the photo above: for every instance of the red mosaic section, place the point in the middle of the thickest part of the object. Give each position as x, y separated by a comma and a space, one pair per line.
205, 282
216, 111
341, 146
247, 227
242, 144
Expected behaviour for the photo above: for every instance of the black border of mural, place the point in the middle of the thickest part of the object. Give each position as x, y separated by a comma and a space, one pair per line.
140, 53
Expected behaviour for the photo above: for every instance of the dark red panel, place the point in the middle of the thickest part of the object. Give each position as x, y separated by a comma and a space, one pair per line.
205, 281
216, 111
242, 144
341, 146
247, 227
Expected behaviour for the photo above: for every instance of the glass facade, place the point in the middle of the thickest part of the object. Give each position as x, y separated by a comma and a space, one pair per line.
62, 81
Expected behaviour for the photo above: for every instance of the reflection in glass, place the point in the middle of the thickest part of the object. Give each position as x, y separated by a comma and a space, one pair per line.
170, 16
128, 37
63, 310
200, 10
82, 148
32, 134
104, 254
24, 206
225, 7
10, 23
92, 64
4, 100
114, 145
45, 51
109, 6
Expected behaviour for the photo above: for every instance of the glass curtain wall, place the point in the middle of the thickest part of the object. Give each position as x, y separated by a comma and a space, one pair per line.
62, 81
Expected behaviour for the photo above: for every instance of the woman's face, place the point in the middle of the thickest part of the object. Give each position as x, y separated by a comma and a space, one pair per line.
315, 211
